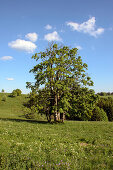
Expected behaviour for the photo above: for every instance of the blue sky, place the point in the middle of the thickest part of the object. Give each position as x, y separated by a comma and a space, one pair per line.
26, 27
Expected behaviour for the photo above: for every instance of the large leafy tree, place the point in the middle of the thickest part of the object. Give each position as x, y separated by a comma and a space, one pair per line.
59, 70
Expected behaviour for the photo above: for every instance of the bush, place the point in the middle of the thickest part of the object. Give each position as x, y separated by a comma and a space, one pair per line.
19, 92
30, 113
4, 98
16, 92
83, 102
99, 115
107, 105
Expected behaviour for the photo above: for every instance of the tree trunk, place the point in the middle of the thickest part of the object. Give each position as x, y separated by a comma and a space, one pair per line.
62, 117
58, 114
57, 104
55, 114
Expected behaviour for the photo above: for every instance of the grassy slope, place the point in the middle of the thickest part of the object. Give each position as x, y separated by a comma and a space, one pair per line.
75, 145
13, 106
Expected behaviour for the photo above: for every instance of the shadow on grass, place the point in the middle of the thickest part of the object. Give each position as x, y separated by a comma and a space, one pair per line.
25, 120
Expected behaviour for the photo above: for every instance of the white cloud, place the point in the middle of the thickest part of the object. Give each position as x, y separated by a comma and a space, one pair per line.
10, 79
48, 27
23, 45
79, 47
32, 36
4, 58
52, 37
87, 27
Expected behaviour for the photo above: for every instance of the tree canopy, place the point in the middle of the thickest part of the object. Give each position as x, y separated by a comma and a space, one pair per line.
59, 73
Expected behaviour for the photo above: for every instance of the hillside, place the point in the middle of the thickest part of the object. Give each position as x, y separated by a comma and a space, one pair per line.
12, 107
31, 144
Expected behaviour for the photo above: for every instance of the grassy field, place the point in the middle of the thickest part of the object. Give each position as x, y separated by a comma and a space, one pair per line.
34, 144
13, 107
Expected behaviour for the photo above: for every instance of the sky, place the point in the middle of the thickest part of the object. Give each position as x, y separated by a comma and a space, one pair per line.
28, 26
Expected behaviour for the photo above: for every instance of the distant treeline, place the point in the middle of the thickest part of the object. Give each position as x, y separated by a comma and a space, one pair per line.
105, 93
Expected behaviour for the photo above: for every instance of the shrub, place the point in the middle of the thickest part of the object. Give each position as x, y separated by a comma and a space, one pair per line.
16, 92
19, 92
83, 102
99, 115
29, 113
107, 105
4, 98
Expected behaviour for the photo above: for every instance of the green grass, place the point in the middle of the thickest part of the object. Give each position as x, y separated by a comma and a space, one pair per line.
12, 107
29, 144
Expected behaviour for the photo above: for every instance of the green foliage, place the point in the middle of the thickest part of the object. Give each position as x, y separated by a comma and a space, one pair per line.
3, 91
107, 105
36, 104
29, 113
4, 98
16, 92
83, 102
99, 115
59, 69
19, 92
32, 99
105, 93
102, 94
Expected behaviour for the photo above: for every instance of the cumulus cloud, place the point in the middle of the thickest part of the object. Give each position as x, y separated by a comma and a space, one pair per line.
23, 45
54, 36
87, 27
48, 27
32, 36
10, 79
4, 58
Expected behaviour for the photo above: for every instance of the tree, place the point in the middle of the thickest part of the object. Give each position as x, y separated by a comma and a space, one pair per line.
3, 91
59, 69
19, 92
16, 92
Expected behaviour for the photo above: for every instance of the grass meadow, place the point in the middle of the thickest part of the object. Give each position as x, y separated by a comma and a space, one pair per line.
34, 144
